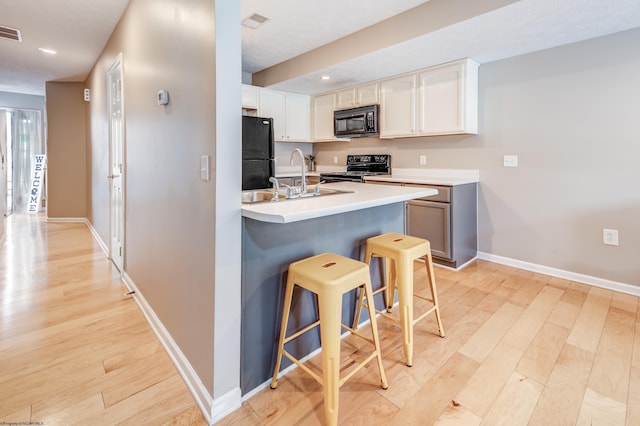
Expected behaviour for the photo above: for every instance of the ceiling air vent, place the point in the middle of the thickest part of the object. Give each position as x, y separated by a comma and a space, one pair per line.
255, 21
10, 33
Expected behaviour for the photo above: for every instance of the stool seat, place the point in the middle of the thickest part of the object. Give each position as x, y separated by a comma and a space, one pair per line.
329, 276
400, 251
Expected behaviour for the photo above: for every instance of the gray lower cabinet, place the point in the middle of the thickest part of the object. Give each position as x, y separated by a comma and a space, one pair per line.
448, 220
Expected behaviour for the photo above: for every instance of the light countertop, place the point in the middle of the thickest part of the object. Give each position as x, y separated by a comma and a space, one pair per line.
447, 177
363, 196
425, 176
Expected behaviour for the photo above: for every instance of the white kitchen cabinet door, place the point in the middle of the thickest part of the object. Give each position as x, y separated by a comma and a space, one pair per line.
297, 118
290, 113
448, 99
272, 104
250, 96
398, 107
346, 98
368, 94
322, 117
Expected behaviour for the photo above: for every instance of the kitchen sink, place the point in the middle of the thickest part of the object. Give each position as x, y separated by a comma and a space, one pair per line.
264, 195
258, 196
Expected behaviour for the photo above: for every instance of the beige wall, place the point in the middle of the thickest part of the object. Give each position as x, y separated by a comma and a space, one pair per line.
169, 226
66, 145
570, 114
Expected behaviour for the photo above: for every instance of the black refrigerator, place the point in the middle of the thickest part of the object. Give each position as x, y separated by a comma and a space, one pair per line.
257, 152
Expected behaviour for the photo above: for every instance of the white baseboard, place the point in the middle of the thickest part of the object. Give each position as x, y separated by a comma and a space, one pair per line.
226, 404
66, 219
200, 393
86, 221
560, 273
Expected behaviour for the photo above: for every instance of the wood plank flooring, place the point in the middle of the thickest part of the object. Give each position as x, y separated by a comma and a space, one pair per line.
521, 348
73, 348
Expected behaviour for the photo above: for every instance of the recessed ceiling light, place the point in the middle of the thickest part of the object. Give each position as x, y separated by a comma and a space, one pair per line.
255, 21
326, 77
49, 51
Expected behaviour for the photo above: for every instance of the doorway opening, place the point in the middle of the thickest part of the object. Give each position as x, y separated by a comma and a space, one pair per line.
24, 145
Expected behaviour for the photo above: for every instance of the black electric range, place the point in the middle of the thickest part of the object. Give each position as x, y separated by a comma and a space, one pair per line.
359, 166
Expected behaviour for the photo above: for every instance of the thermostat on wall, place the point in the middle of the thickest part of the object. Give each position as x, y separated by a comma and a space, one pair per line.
162, 97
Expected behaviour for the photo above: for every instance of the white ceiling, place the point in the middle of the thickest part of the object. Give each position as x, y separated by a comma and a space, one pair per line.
522, 27
79, 29
298, 26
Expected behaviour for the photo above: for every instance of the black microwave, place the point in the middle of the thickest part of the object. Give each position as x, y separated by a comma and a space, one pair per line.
356, 122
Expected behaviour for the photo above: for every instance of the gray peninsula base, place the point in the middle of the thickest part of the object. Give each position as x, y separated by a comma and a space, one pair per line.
267, 250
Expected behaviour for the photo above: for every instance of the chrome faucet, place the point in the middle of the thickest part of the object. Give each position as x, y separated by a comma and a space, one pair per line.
276, 187
304, 177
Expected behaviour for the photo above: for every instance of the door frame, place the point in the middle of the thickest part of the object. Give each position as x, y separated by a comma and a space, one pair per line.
117, 63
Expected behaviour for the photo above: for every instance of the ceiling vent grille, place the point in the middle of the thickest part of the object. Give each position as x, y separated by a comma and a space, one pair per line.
10, 33
255, 21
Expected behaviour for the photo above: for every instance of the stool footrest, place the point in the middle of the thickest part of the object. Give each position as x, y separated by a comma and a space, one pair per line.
419, 296
297, 362
433, 308
302, 331
356, 369
357, 333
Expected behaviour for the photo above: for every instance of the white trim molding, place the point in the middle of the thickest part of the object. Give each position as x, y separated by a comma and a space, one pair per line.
560, 273
86, 221
193, 382
213, 410
66, 220
225, 405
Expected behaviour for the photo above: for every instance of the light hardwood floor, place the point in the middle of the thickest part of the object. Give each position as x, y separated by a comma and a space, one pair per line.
521, 348
73, 348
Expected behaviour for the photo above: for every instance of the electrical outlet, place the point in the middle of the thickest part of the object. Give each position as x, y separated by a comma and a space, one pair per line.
510, 161
610, 237
335, 159
423, 160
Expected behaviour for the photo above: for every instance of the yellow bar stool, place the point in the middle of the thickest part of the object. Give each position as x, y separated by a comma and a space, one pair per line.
400, 251
329, 276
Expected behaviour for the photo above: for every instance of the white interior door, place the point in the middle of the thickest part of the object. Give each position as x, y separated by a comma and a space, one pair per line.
116, 171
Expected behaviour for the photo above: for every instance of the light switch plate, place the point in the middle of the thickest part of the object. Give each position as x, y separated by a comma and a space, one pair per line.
511, 161
204, 167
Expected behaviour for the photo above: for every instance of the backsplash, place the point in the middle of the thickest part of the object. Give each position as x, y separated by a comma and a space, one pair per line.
283, 152
405, 153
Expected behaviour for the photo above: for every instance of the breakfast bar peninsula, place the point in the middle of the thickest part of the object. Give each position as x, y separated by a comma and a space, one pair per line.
277, 233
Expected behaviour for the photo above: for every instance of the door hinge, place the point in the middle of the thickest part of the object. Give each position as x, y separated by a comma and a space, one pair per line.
120, 251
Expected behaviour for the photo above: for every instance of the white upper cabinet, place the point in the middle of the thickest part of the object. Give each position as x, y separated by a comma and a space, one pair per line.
290, 113
297, 118
448, 99
441, 100
398, 107
250, 96
346, 98
322, 117
367, 94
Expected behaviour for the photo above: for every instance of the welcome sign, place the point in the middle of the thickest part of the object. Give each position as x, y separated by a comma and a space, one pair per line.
36, 183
